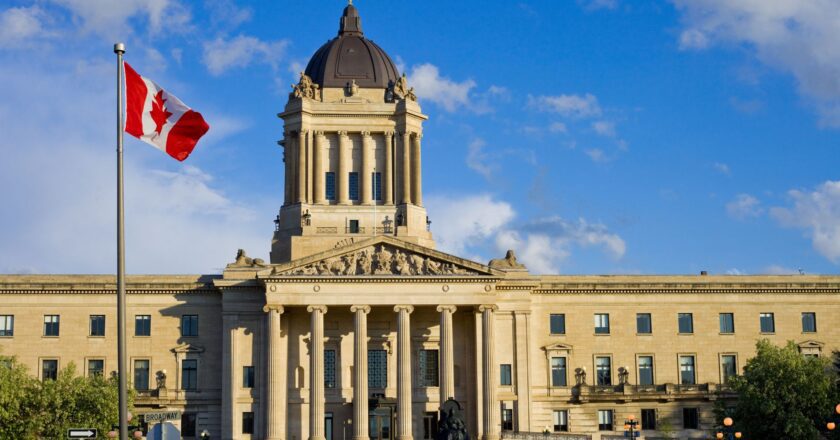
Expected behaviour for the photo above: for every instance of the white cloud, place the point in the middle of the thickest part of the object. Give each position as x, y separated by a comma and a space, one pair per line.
818, 213
597, 155
775, 269
17, 25
109, 18
557, 127
241, 51
722, 168
580, 106
477, 158
465, 221
797, 37
744, 206
735, 271
604, 128
430, 85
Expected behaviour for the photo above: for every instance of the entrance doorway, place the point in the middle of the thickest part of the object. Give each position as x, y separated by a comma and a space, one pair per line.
380, 423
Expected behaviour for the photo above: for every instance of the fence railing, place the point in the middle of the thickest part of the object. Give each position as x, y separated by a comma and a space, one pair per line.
510, 435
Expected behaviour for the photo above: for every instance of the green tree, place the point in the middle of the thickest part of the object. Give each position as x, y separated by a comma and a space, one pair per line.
782, 394
18, 392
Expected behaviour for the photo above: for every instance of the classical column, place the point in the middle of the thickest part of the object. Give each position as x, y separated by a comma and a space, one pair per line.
316, 372
318, 173
416, 184
403, 372
388, 176
491, 410
229, 383
301, 166
287, 169
275, 390
360, 388
447, 353
310, 166
367, 168
292, 157
343, 177
405, 138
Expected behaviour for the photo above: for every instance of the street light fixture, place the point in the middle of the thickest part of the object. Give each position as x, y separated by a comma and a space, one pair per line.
832, 425
205, 435
631, 426
137, 432
728, 432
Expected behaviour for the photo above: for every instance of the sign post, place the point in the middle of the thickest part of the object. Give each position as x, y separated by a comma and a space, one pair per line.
82, 433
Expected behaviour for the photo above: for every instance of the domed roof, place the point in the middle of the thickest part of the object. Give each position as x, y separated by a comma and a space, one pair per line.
350, 56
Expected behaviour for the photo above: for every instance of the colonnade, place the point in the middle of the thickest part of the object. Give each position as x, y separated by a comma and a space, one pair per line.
276, 399
306, 166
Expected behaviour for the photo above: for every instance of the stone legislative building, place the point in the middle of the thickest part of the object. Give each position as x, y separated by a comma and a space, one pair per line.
357, 328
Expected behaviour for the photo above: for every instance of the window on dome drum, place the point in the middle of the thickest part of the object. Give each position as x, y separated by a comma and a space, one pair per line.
353, 185
767, 323
189, 374
643, 324
329, 185
51, 325
649, 419
558, 371
727, 323
603, 370
97, 325
142, 325
95, 367
377, 369
691, 418
809, 322
188, 425
328, 426
645, 370
428, 368
141, 374
329, 368
685, 322
247, 422
189, 325
605, 420
557, 323
430, 426
728, 367
561, 420
376, 181
49, 369
248, 376
7, 325
507, 419
602, 323
687, 373
504, 371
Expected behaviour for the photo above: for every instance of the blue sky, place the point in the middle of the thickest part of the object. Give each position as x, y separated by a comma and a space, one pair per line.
591, 136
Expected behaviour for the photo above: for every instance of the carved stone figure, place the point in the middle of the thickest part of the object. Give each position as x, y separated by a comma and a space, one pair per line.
160, 378
352, 88
400, 89
509, 262
305, 88
243, 260
349, 261
623, 375
451, 425
401, 263
383, 261
365, 263
580, 376
433, 267
379, 260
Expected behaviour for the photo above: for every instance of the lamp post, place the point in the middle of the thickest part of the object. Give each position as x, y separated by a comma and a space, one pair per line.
832, 425
205, 435
631, 426
728, 432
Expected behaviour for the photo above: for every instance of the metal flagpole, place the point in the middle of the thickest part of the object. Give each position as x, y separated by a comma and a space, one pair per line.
119, 49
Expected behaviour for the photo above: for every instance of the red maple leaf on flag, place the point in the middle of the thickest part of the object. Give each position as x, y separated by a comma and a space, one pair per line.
159, 112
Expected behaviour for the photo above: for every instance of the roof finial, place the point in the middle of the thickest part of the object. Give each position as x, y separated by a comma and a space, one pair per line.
349, 2
350, 22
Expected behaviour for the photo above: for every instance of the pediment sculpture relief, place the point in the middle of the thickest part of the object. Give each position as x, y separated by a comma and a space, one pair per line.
381, 260
306, 88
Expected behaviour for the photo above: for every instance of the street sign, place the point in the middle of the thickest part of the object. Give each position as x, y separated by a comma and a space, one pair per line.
635, 434
82, 433
164, 431
163, 416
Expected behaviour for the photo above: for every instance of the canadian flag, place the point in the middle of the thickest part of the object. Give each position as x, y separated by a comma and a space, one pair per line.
159, 118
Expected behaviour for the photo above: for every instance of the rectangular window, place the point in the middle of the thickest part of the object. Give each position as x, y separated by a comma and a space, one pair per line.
809, 322
328, 426
561, 420
649, 419
96, 367
602, 323
248, 422
643, 324
189, 325
603, 369
685, 322
557, 323
727, 323
558, 371
189, 374
691, 418
330, 185
767, 323
97, 325
353, 226
507, 419
687, 376
376, 181
7, 325
605, 420
51, 325
141, 374
645, 370
188, 425
329, 368
142, 325
353, 185
248, 377
728, 367
430, 426
504, 371
377, 369
428, 368
49, 369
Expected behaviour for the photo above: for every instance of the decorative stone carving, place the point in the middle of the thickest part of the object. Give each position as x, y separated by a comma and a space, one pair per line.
305, 88
243, 260
509, 262
380, 260
580, 376
400, 90
160, 379
352, 88
452, 425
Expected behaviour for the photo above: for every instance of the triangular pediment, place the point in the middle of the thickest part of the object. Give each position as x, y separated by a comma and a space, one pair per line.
559, 346
381, 256
810, 344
